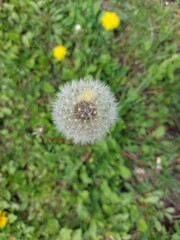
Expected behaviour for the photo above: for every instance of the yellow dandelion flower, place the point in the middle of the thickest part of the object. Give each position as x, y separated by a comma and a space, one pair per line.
110, 20
3, 219
59, 52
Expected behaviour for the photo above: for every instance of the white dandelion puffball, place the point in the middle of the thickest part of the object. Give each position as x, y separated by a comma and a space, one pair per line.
77, 27
84, 110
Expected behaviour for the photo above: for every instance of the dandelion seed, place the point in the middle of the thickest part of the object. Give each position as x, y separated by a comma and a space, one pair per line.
110, 20
3, 219
89, 122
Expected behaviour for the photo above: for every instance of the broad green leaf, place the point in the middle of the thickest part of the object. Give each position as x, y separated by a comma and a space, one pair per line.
77, 235
159, 132
48, 88
125, 172
65, 234
142, 226
53, 225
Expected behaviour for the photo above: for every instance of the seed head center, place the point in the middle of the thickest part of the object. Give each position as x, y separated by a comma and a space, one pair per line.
85, 110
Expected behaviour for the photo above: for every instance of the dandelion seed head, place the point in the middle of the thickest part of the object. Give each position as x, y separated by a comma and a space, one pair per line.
77, 27
87, 95
88, 114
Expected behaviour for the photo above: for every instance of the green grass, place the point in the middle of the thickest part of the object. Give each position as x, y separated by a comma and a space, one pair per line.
111, 190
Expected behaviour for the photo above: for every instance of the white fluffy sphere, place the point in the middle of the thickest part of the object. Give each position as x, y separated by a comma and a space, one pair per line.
84, 110
77, 27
